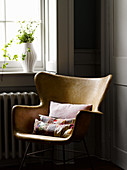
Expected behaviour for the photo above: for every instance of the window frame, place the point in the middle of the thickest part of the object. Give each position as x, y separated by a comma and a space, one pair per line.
64, 59
15, 66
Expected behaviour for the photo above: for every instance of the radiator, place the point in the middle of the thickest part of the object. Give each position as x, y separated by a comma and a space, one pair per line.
10, 147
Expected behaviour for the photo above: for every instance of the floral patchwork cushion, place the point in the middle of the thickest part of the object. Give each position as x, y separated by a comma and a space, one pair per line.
53, 126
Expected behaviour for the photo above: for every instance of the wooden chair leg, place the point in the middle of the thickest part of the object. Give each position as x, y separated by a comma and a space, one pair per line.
24, 157
88, 154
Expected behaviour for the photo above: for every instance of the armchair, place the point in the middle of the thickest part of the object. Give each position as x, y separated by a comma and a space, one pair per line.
62, 89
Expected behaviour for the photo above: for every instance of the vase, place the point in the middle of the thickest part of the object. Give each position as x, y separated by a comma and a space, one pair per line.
28, 58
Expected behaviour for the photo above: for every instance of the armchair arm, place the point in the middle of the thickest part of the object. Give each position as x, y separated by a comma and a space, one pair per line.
82, 123
92, 112
23, 117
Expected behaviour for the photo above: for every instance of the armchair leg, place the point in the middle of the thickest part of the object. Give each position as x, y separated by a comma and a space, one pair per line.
53, 154
53, 163
63, 155
88, 154
24, 157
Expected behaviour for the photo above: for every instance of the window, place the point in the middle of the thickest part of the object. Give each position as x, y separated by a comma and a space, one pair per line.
12, 11
54, 43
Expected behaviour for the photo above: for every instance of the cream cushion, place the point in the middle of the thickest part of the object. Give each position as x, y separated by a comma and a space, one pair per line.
66, 110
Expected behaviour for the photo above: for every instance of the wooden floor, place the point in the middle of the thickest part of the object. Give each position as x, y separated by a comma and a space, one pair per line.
81, 164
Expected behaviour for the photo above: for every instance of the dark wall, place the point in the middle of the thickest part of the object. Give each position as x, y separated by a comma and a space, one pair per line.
85, 24
87, 38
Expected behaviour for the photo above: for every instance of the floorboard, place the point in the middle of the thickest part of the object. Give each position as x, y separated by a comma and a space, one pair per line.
80, 164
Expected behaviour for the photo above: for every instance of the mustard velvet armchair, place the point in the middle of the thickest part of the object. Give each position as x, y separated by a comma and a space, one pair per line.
62, 89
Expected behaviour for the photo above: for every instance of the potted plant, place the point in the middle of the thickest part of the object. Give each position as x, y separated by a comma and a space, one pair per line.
25, 37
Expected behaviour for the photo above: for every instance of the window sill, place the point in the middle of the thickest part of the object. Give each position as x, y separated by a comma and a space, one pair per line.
17, 79
17, 73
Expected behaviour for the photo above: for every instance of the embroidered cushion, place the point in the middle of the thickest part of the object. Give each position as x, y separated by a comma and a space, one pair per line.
66, 111
48, 119
53, 127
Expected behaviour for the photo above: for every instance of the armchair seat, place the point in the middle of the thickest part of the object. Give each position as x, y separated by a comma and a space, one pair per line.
42, 138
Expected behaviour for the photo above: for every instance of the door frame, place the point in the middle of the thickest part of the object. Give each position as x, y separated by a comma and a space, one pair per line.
106, 42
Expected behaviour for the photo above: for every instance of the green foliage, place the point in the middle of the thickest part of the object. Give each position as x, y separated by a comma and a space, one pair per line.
28, 50
26, 31
25, 35
4, 65
23, 56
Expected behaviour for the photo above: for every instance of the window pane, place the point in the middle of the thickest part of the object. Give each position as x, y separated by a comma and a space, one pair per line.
18, 10
11, 30
1, 9
23, 9
2, 40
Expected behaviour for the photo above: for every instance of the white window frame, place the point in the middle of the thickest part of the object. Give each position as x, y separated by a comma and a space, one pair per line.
15, 66
63, 41
51, 35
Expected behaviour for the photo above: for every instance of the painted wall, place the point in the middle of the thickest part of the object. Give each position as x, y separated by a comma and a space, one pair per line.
85, 24
87, 38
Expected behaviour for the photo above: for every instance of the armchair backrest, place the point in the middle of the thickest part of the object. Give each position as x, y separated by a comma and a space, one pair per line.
74, 90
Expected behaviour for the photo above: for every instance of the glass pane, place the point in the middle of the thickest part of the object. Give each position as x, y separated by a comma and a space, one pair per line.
23, 9
1, 9
12, 31
2, 40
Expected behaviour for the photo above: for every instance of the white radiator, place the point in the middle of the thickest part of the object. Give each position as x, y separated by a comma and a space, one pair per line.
10, 147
